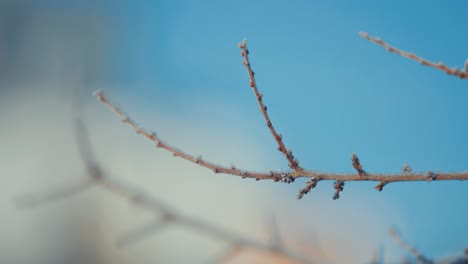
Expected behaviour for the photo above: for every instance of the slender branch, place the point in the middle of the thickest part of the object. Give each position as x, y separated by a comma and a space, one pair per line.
293, 163
138, 234
33, 200
280, 176
412, 250
462, 74
232, 170
406, 175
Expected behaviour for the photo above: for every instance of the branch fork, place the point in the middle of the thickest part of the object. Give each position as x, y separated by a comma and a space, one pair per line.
406, 174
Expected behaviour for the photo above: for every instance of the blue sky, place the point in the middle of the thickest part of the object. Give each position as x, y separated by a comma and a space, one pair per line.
328, 91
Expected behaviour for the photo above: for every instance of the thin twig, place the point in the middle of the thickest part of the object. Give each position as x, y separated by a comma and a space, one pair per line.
383, 178
153, 204
277, 176
293, 163
412, 250
33, 200
138, 234
462, 74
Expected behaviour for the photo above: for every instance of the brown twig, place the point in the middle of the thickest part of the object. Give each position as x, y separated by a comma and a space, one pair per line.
462, 74
279, 176
412, 250
309, 186
383, 178
293, 162
357, 164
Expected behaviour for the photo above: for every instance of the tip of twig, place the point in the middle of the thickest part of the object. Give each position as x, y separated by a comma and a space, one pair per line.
363, 34
242, 44
97, 92
338, 185
309, 186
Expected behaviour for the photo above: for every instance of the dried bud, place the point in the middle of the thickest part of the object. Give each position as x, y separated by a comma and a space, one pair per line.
338, 185
379, 187
357, 164
430, 176
406, 168
285, 177
244, 174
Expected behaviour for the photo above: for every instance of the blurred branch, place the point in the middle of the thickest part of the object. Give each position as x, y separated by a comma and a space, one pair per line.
33, 200
410, 249
168, 215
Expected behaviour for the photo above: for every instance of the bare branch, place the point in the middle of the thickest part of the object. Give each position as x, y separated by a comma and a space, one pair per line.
276, 176
412, 250
293, 163
179, 153
462, 74
33, 200
288, 177
405, 175
135, 235
309, 186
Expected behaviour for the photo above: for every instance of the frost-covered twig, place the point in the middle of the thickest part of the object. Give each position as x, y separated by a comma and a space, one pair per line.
293, 162
461, 73
382, 178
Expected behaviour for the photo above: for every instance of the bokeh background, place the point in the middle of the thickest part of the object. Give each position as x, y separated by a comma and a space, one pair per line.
175, 67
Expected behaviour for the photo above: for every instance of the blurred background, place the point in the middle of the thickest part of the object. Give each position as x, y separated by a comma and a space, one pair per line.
174, 66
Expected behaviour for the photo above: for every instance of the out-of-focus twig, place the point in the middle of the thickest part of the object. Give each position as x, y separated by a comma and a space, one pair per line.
36, 199
410, 249
168, 214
